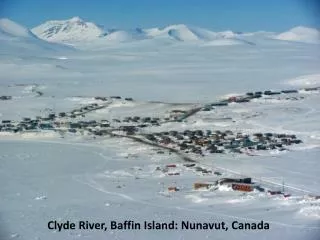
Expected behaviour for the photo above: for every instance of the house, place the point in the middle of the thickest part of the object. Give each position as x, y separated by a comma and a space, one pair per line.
51, 116
268, 92
130, 130
296, 141
127, 119
173, 189
171, 165
75, 125
274, 192
127, 128
146, 119
212, 148
173, 174
242, 187
45, 126
226, 181
150, 137
242, 100
45, 119
104, 125
178, 111
219, 104
247, 142
232, 99
179, 137
256, 95
198, 185
154, 122
26, 119
198, 133
173, 133
100, 98
289, 91
165, 140
207, 108
261, 147
311, 89
189, 165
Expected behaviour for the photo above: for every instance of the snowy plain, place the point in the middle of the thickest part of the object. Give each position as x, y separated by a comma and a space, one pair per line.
46, 177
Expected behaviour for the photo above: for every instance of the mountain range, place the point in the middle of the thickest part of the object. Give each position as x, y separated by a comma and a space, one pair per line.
76, 32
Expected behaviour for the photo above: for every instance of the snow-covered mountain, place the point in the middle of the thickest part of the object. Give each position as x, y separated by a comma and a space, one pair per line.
76, 31
185, 33
178, 32
71, 30
300, 34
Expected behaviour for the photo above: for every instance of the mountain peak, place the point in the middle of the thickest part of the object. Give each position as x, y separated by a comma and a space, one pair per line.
71, 30
76, 19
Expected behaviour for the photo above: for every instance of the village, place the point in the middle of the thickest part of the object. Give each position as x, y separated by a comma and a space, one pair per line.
72, 121
187, 143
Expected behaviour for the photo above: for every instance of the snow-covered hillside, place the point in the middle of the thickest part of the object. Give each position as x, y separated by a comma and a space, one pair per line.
300, 34
15, 38
9, 28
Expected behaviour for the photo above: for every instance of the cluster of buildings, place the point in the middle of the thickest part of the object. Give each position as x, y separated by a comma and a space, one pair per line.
207, 141
140, 121
189, 141
52, 123
56, 121
237, 184
253, 95
113, 97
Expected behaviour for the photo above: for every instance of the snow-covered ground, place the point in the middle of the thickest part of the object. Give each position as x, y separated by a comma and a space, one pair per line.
46, 176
